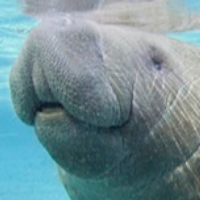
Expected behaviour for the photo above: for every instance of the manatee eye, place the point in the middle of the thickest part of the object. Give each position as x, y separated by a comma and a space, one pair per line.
157, 64
157, 56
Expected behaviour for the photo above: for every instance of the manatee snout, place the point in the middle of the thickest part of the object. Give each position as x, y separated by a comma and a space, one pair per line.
61, 85
62, 65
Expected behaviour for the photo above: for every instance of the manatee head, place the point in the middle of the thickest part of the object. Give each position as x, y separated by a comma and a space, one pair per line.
107, 104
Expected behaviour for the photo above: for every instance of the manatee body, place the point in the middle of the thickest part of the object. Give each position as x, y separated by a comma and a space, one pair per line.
39, 8
174, 15
48, 7
116, 107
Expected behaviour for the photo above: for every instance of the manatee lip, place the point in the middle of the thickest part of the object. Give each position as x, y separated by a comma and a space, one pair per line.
50, 108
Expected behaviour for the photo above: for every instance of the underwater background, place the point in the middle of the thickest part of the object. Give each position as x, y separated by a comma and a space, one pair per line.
26, 170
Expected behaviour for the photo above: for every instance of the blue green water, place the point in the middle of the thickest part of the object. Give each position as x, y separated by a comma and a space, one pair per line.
26, 170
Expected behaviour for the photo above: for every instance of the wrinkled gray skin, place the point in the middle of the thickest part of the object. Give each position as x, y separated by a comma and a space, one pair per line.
116, 107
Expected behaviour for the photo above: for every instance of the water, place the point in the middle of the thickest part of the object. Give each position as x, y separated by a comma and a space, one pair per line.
26, 170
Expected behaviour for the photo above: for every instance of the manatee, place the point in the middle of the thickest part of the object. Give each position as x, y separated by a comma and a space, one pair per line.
174, 15
117, 107
39, 8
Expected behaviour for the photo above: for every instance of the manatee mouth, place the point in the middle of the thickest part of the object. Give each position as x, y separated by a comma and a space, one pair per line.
50, 108
78, 147
50, 111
